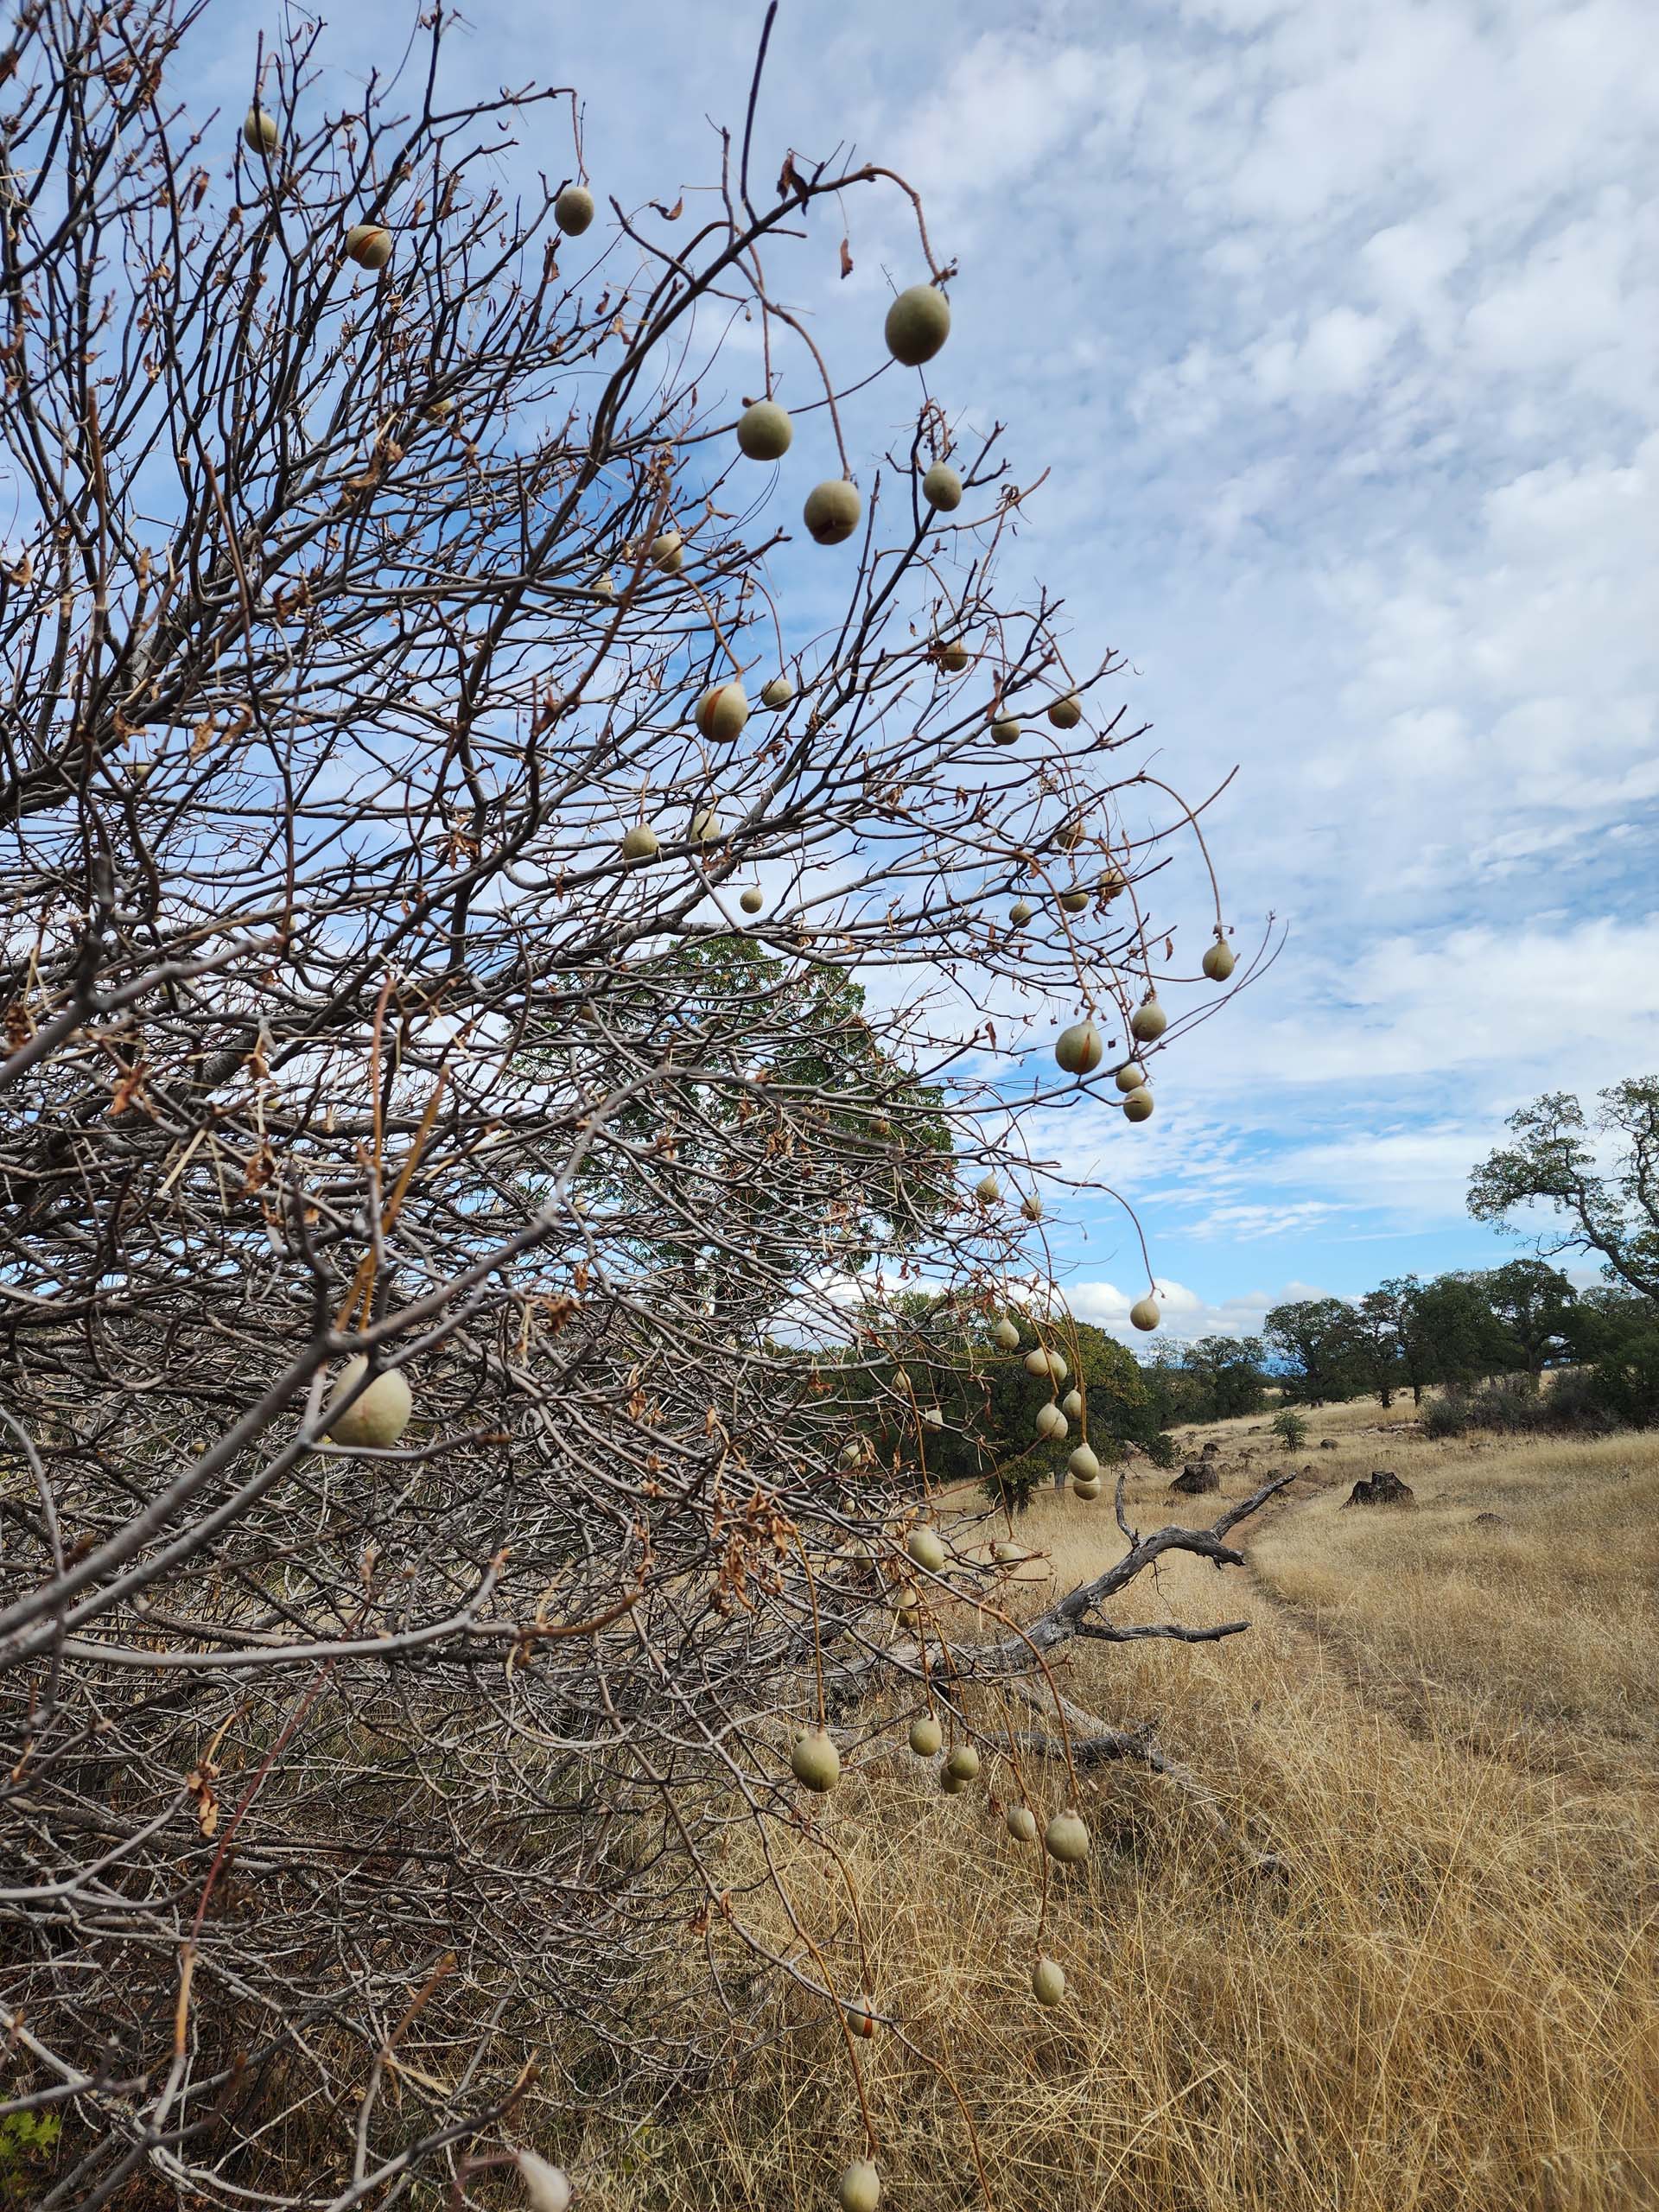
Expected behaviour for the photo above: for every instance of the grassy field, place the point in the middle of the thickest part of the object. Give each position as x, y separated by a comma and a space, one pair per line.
1450, 1999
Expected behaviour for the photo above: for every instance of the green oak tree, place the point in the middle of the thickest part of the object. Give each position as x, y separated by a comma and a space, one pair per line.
1605, 1195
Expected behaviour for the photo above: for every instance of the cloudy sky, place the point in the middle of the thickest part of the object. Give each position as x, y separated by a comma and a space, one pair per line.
1339, 328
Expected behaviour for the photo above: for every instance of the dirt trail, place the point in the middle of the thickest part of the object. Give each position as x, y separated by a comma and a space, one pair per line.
1401, 1692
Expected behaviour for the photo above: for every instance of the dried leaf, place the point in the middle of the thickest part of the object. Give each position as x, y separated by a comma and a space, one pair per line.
670, 214
846, 259
127, 1089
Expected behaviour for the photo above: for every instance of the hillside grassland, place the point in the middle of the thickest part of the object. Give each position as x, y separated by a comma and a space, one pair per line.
1448, 1999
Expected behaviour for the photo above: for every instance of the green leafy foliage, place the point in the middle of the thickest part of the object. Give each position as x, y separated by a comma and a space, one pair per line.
1611, 1210
29, 2141
1214, 1378
989, 1404
1318, 1350
1617, 1336
1290, 1428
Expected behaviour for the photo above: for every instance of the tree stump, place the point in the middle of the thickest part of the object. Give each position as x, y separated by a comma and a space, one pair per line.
1195, 1478
1383, 1487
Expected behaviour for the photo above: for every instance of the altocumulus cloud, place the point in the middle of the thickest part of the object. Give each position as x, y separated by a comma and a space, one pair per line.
1337, 325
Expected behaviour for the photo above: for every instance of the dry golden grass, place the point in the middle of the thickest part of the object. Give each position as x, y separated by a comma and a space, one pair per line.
1451, 2001
1538, 1637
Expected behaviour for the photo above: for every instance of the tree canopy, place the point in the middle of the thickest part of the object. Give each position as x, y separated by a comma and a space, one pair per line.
1555, 1163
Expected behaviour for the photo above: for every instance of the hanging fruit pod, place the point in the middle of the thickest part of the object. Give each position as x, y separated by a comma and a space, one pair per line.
859, 2188
666, 552
1148, 1021
962, 1761
573, 211
1021, 1823
925, 1547
1144, 1313
1047, 1981
1218, 961
918, 324
369, 245
765, 431
1080, 1049
925, 1736
942, 487
1066, 1839
378, 1416
722, 711
832, 511
815, 1761
1067, 712
1007, 1333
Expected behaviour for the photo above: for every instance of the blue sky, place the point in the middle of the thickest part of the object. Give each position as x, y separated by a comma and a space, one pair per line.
1339, 328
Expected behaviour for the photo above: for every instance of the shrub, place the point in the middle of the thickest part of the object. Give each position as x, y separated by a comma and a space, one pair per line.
1588, 1399
1290, 1428
1013, 1484
1579, 1401
1446, 1417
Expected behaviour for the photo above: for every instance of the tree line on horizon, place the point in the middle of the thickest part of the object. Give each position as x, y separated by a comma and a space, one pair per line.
1456, 1332
1482, 1337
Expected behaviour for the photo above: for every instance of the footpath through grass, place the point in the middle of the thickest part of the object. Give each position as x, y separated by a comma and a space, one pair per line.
1453, 2000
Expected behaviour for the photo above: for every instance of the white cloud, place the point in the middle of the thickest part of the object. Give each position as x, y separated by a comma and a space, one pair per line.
1006, 104
1337, 323
1187, 1316
1338, 352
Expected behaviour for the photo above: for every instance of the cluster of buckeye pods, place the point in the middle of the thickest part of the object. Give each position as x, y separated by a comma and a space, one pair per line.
918, 324
1080, 1048
815, 1762
369, 245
